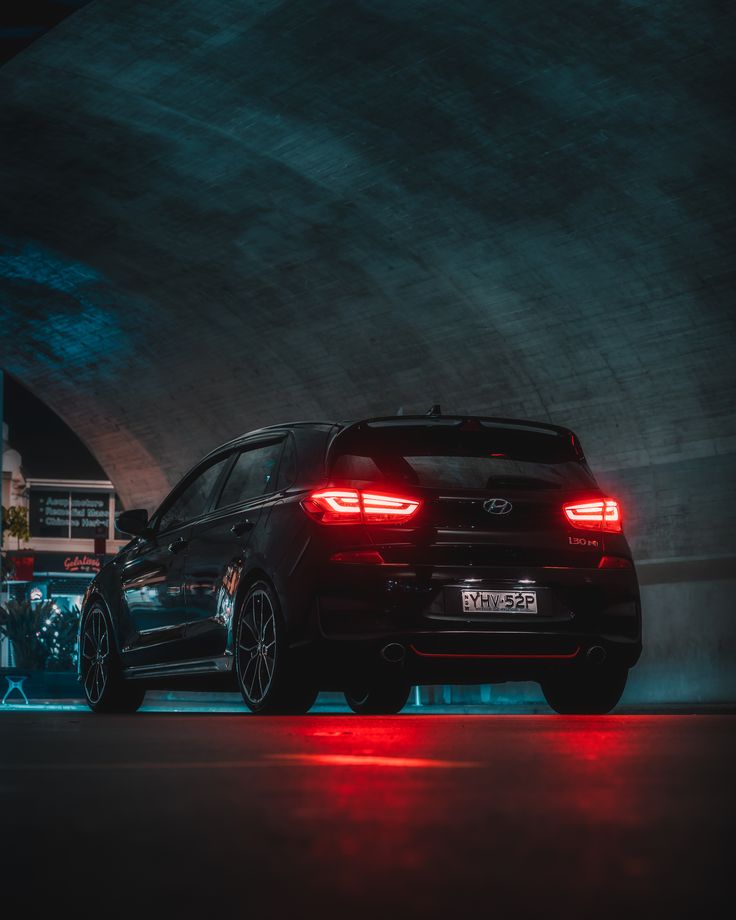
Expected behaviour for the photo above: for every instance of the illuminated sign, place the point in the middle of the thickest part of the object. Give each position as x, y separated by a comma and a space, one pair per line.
82, 564
88, 511
65, 513
28, 567
49, 513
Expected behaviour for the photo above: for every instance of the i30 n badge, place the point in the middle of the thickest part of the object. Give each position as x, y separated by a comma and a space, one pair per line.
362, 557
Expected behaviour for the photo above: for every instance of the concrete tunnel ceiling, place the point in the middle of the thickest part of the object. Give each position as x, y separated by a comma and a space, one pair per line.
223, 215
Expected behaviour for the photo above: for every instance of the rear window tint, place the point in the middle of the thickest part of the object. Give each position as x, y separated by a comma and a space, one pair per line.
453, 458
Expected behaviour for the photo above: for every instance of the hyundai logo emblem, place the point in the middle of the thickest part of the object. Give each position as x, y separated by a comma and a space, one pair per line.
497, 506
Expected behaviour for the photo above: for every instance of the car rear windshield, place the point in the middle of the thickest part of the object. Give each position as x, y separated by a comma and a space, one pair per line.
458, 456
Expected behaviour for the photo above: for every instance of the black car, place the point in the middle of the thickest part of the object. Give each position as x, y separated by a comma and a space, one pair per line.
369, 557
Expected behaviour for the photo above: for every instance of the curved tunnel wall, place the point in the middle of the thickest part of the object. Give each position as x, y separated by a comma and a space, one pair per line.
223, 216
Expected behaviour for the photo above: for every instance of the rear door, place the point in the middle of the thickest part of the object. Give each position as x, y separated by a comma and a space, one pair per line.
221, 545
153, 573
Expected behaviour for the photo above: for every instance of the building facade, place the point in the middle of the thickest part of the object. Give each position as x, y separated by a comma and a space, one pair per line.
72, 533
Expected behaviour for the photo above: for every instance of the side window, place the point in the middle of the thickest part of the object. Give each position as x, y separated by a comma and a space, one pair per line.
252, 475
287, 467
193, 501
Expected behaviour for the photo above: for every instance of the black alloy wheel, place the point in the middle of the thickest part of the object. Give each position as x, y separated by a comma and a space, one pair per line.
384, 698
592, 690
269, 678
104, 688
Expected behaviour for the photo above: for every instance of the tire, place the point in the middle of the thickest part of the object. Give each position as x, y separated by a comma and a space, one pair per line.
104, 688
588, 691
270, 679
386, 698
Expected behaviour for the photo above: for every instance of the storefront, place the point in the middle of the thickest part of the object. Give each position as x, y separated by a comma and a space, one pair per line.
72, 532
72, 511
71, 525
61, 577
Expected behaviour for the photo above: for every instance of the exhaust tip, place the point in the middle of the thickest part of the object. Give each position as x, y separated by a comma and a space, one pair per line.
596, 654
394, 653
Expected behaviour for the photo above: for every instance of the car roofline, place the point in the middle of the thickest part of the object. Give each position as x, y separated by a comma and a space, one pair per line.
263, 432
438, 419
346, 425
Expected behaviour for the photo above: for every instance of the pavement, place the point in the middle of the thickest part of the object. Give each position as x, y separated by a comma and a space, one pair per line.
417, 815
334, 703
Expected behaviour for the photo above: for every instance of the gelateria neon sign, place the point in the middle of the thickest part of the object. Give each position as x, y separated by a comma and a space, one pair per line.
82, 564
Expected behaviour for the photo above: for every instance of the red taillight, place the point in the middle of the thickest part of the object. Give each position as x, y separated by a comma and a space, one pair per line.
334, 506
350, 506
596, 514
389, 508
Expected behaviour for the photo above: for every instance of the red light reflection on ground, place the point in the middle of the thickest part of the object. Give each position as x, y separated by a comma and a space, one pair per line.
588, 757
368, 760
596, 741
375, 792
589, 764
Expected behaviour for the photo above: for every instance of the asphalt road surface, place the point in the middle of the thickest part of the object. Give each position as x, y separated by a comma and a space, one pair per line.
336, 815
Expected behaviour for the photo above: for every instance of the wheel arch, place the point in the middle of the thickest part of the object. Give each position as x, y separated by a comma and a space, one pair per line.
97, 597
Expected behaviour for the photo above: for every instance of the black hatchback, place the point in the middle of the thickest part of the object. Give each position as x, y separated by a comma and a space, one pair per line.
368, 557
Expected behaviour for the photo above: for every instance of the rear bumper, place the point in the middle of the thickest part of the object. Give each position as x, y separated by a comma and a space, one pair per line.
463, 658
362, 611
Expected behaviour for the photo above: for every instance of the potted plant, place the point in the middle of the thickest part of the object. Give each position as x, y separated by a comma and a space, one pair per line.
44, 642
21, 622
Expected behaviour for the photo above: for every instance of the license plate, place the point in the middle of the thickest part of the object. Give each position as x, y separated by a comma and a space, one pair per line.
499, 601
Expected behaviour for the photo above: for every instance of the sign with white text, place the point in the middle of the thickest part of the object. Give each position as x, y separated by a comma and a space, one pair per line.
57, 513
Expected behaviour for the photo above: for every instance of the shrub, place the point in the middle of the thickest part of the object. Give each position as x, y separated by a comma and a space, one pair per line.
43, 636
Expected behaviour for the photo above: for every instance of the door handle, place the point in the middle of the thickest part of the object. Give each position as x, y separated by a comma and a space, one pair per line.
178, 545
240, 527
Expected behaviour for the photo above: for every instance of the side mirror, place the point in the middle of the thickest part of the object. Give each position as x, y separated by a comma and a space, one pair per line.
134, 523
